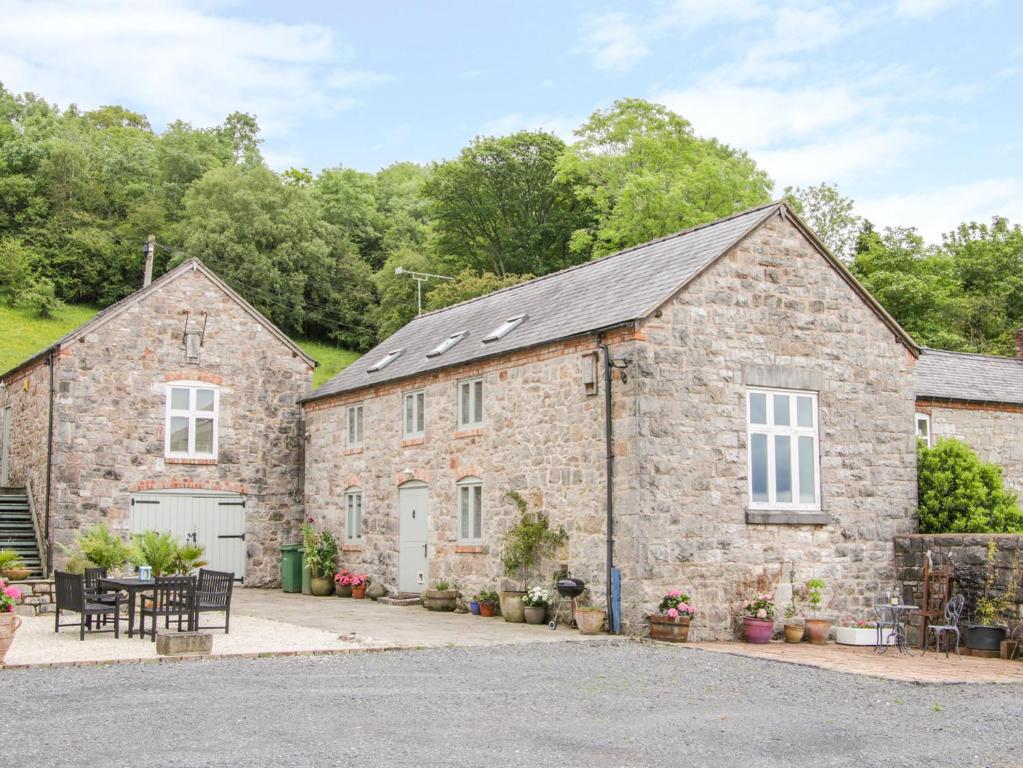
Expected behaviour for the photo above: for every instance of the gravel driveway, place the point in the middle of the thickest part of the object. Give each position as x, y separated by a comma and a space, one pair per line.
573, 704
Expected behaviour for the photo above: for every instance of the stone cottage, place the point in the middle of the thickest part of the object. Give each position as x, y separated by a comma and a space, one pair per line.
176, 409
759, 408
977, 399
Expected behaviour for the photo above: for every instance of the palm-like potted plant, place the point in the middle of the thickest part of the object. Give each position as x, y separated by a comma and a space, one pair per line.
320, 559
525, 545
11, 565
155, 549
441, 598
9, 621
536, 601
671, 622
488, 602
816, 629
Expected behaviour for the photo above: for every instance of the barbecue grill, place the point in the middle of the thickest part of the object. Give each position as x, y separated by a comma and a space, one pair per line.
567, 588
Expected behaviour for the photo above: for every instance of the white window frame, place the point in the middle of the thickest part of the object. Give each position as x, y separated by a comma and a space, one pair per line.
792, 431
353, 437
505, 328
926, 418
191, 414
353, 515
475, 509
418, 426
475, 419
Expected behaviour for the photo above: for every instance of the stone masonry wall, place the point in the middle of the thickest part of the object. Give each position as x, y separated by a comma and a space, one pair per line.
994, 432
27, 392
543, 436
773, 311
111, 407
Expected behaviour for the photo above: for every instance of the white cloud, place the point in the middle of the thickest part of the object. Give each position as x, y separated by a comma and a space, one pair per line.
560, 125
175, 60
613, 41
941, 209
357, 79
922, 9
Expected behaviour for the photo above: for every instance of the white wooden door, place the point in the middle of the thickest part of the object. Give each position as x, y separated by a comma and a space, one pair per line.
5, 448
413, 557
214, 521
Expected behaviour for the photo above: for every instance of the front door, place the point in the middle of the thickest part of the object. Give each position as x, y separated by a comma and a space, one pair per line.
5, 449
413, 557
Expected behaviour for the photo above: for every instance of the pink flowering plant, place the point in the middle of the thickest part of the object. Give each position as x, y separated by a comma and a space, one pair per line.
675, 604
9, 597
346, 578
761, 607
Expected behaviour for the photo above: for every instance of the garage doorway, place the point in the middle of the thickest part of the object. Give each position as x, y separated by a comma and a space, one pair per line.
214, 521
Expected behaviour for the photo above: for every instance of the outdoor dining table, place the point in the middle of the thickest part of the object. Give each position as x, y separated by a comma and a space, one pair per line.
133, 586
898, 630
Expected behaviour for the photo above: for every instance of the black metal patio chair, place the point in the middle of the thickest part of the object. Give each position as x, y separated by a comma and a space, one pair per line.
72, 596
953, 612
172, 597
213, 593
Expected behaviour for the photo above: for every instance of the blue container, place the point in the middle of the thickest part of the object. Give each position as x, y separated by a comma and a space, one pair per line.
474, 608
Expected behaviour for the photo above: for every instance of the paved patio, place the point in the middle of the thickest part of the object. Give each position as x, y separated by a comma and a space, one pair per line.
917, 668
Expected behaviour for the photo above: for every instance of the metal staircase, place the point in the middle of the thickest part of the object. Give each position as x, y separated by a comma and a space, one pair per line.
17, 530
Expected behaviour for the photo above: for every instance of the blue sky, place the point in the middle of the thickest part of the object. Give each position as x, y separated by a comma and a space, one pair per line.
913, 107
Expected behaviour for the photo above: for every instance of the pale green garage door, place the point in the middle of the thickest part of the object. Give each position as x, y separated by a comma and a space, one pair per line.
215, 521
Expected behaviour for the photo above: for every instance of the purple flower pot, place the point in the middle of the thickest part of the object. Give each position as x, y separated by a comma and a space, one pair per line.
757, 630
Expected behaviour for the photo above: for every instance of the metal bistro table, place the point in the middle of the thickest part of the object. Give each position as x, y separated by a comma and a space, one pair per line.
898, 630
133, 586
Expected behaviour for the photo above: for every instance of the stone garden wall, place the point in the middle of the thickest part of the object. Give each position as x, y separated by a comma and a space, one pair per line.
36, 597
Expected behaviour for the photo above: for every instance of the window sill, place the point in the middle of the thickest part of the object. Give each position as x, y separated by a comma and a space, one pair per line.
468, 432
787, 517
408, 442
470, 549
186, 460
353, 451
351, 547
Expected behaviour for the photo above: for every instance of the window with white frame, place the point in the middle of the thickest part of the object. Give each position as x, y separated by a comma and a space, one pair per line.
470, 510
923, 428
353, 438
191, 423
353, 516
415, 413
470, 403
784, 456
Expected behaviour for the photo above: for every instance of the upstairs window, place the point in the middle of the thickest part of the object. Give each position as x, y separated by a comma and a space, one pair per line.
923, 428
447, 344
504, 329
784, 460
191, 421
353, 438
353, 515
470, 510
385, 361
470, 403
415, 413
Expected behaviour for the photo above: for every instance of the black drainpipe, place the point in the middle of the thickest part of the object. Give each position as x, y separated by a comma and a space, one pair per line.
610, 474
49, 466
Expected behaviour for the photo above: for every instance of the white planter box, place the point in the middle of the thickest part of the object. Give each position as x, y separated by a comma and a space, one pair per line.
859, 636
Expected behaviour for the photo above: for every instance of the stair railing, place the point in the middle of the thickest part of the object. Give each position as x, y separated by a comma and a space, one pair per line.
38, 530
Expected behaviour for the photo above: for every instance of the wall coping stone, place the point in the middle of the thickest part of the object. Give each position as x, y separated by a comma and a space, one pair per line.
786, 517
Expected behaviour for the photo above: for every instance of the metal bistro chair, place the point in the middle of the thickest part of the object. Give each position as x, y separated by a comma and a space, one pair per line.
72, 596
173, 596
213, 593
885, 621
953, 611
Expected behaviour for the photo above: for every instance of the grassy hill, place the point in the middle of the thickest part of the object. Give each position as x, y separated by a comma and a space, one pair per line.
22, 334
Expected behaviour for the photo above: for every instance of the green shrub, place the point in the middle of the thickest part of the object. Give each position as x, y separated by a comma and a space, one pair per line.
958, 493
102, 548
157, 550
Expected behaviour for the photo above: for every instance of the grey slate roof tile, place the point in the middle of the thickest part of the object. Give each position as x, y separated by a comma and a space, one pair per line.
946, 375
605, 293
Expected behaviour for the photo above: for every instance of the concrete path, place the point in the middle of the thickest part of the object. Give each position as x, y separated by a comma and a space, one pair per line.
410, 627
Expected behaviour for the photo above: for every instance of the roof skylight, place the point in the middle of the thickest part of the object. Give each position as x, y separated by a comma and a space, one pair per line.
384, 361
504, 328
447, 344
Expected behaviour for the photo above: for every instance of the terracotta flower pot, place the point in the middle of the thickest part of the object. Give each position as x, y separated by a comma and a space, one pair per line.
668, 629
321, 586
512, 607
440, 599
359, 593
794, 633
817, 630
9, 623
535, 614
486, 609
343, 590
16, 574
756, 630
589, 620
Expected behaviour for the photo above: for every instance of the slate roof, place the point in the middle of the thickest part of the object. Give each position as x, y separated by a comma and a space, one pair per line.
119, 306
942, 375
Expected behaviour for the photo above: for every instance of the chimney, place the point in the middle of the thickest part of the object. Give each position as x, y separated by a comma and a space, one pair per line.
147, 277
1019, 343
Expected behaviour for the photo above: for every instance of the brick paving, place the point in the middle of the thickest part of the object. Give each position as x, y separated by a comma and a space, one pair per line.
917, 668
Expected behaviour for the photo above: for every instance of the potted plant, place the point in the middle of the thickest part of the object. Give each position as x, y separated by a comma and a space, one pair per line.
488, 602
474, 605
359, 583
992, 607
155, 549
590, 619
11, 566
856, 632
536, 601
9, 621
816, 629
525, 544
320, 559
793, 626
758, 619
343, 583
441, 598
104, 549
671, 623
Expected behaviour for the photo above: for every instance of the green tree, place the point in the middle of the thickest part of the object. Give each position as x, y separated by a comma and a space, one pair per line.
641, 170
829, 214
347, 199
397, 293
468, 285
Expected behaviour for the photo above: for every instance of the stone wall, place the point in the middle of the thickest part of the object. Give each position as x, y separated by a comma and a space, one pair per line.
773, 312
27, 391
111, 399
994, 431
37, 597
